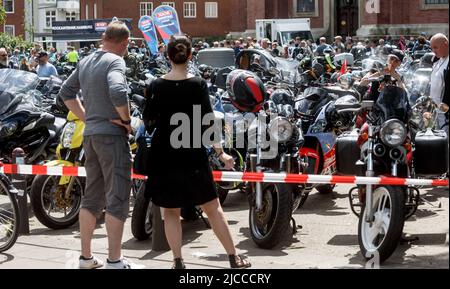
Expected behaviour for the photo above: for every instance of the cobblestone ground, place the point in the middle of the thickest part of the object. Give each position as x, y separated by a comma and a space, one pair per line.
328, 239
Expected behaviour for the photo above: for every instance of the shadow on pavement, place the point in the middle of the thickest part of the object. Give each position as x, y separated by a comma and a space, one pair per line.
5, 258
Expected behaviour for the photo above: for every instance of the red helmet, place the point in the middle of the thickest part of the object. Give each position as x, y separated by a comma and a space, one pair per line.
246, 90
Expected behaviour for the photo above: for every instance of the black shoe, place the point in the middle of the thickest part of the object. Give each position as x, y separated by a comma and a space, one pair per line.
178, 264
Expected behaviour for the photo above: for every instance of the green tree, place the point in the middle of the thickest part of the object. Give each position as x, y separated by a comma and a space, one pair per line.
2, 14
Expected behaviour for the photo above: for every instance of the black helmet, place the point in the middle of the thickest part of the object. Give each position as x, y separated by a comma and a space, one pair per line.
246, 90
205, 71
282, 96
427, 60
306, 63
328, 50
398, 54
387, 49
341, 119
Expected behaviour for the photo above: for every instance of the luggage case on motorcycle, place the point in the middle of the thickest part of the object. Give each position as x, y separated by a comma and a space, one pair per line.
431, 153
347, 153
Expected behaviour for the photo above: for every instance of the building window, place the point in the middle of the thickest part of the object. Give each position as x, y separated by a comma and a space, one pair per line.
95, 10
211, 10
190, 10
146, 8
50, 16
10, 30
71, 16
171, 4
434, 4
87, 11
308, 8
9, 6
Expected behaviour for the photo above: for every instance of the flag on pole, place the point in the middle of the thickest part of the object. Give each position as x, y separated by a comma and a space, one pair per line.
147, 28
166, 21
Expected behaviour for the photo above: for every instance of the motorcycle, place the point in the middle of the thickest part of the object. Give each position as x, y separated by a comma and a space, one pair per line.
56, 200
9, 214
386, 149
272, 204
322, 124
24, 123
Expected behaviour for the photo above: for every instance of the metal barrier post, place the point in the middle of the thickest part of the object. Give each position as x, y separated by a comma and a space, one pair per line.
159, 241
20, 183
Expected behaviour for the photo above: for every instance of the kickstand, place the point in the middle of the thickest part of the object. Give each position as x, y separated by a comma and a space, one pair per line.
429, 203
200, 214
408, 239
295, 227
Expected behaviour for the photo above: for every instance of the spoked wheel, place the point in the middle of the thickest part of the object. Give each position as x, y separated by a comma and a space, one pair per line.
381, 236
269, 224
9, 218
53, 208
142, 216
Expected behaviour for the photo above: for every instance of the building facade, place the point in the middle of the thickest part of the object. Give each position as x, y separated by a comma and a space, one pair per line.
18, 18
207, 18
46, 12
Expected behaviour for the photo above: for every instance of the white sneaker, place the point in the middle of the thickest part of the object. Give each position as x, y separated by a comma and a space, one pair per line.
92, 263
122, 264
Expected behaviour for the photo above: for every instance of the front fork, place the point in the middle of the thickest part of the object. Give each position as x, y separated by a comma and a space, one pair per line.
72, 179
369, 173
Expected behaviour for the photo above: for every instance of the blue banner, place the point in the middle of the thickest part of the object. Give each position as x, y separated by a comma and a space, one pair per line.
166, 21
147, 28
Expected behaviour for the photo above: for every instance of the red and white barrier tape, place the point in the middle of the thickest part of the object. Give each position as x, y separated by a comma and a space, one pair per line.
239, 177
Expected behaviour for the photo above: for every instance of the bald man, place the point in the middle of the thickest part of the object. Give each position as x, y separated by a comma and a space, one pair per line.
439, 77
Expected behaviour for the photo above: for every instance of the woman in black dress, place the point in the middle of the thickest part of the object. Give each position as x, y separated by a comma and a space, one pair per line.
179, 171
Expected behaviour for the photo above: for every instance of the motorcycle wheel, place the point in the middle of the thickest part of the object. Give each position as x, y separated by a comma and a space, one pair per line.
223, 193
42, 199
325, 189
9, 218
380, 238
142, 217
269, 225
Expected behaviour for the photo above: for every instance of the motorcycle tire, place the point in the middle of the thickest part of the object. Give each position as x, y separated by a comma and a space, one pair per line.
189, 214
38, 188
325, 189
276, 214
394, 197
223, 193
142, 217
12, 213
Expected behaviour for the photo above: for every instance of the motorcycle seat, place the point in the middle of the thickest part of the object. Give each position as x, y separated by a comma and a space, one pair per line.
46, 119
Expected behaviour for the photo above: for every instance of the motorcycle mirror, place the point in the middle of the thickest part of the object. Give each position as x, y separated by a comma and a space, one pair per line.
273, 71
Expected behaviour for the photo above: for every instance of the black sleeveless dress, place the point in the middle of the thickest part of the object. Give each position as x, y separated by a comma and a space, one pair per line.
178, 177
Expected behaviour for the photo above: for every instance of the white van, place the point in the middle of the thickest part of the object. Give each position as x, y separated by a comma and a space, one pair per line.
283, 30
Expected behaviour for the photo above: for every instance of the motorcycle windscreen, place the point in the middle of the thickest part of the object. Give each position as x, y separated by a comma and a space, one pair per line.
393, 104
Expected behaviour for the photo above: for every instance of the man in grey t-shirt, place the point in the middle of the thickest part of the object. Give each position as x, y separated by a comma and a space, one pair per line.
101, 78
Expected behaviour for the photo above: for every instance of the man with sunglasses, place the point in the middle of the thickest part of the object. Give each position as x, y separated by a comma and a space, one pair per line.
4, 61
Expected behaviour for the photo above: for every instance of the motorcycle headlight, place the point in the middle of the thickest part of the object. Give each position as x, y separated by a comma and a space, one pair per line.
393, 133
8, 129
67, 135
280, 129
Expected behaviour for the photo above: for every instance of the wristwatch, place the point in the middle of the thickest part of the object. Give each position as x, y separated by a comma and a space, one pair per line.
126, 122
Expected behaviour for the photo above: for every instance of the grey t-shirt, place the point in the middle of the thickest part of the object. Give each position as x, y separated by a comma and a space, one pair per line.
101, 78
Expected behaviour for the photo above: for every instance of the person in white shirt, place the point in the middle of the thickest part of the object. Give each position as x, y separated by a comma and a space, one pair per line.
439, 44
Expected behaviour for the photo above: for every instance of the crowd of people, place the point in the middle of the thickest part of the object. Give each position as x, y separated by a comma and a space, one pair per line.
307, 47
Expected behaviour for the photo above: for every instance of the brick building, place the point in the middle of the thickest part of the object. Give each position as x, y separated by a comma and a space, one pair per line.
205, 18
18, 16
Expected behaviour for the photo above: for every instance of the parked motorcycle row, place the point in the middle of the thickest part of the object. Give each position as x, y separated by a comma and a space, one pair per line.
320, 117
